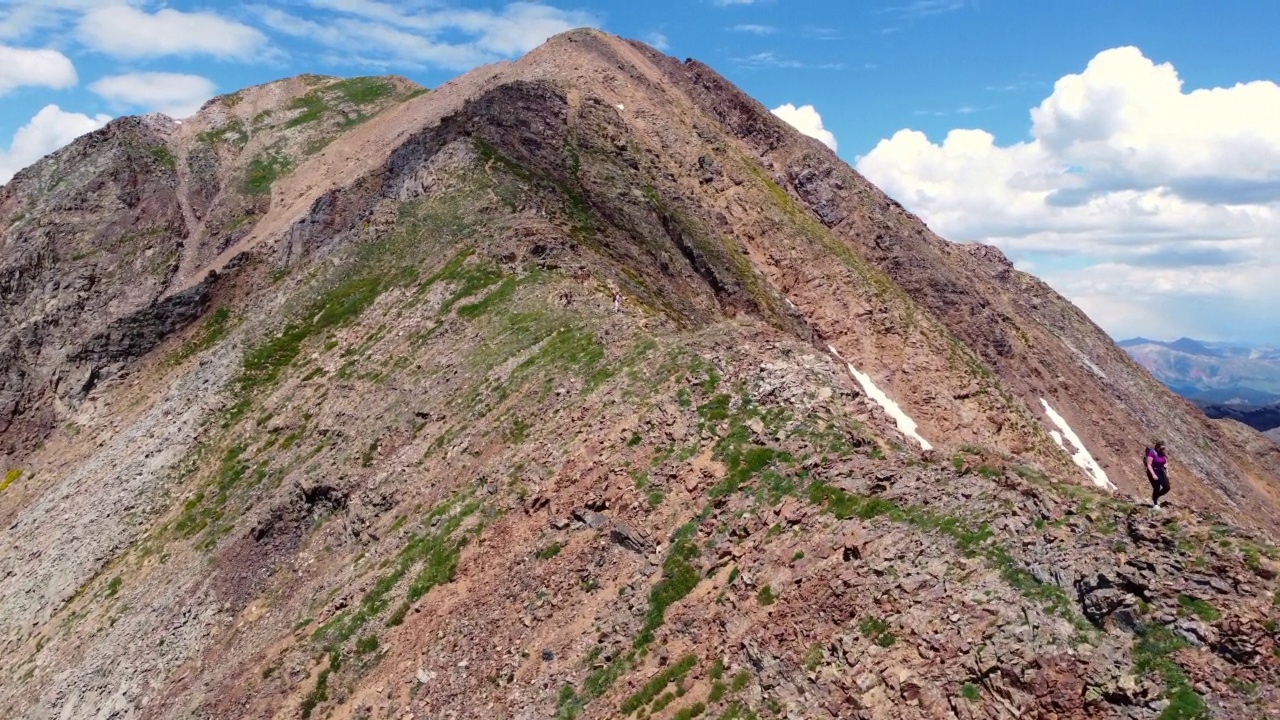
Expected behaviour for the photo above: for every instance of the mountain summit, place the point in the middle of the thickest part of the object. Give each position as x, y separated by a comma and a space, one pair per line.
580, 387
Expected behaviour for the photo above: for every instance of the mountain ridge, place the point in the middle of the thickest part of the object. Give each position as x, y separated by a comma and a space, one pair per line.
457, 388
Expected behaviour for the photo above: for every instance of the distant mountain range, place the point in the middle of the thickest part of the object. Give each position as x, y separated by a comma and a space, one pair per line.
1232, 380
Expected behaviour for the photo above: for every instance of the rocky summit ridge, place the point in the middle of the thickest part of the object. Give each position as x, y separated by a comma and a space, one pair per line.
580, 386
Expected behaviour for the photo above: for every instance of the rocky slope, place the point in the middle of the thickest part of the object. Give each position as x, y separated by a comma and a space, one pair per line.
580, 387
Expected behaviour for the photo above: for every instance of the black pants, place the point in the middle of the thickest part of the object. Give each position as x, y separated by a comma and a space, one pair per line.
1159, 486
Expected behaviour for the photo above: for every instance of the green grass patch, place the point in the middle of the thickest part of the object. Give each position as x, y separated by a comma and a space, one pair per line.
211, 332
679, 577
205, 510
766, 596
970, 692
233, 133
970, 540
658, 683
813, 658
877, 631
1152, 655
318, 694
549, 551
113, 587
364, 90
263, 171
568, 704
162, 155
718, 690
434, 554
10, 477
313, 107
690, 712
1195, 606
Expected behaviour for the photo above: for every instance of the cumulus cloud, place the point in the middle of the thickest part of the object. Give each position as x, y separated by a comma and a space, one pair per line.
50, 129
1131, 194
21, 67
658, 41
380, 34
807, 120
174, 94
127, 32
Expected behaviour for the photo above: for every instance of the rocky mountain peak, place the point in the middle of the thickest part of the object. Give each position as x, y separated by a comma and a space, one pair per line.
580, 386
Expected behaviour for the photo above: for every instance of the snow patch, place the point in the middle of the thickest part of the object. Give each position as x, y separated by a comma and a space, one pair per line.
906, 425
620, 106
1081, 455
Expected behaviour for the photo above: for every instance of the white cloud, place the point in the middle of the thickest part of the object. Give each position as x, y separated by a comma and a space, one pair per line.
19, 18
173, 94
727, 3
21, 67
807, 120
126, 32
658, 41
927, 8
381, 34
754, 29
49, 130
1130, 195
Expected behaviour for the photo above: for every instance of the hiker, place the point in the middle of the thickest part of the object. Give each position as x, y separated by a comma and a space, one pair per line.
1156, 473
617, 301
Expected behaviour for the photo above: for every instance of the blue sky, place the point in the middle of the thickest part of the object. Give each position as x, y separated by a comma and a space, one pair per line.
1128, 153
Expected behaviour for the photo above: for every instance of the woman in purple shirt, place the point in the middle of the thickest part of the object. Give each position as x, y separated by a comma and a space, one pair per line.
1156, 473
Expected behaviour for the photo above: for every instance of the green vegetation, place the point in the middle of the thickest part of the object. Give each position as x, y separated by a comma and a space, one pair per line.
264, 170
518, 431
211, 332
113, 587
877, 631
765, 596
10, 477
692, 711
970, 540
364, 90
736, 711
233, 132
313, 107
970, 692
162, 155
1152, 656
718, 689
435, 556
679, 577
813, 658
367, 644
568, 704
658, 683
318, 694
654, 498
549, 551
740, 680
1196, 606
205, 510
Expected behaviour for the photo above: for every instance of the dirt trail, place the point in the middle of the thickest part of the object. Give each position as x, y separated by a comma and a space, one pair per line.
186, 276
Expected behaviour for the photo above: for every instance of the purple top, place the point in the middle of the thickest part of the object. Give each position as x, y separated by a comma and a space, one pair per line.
1157, 460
